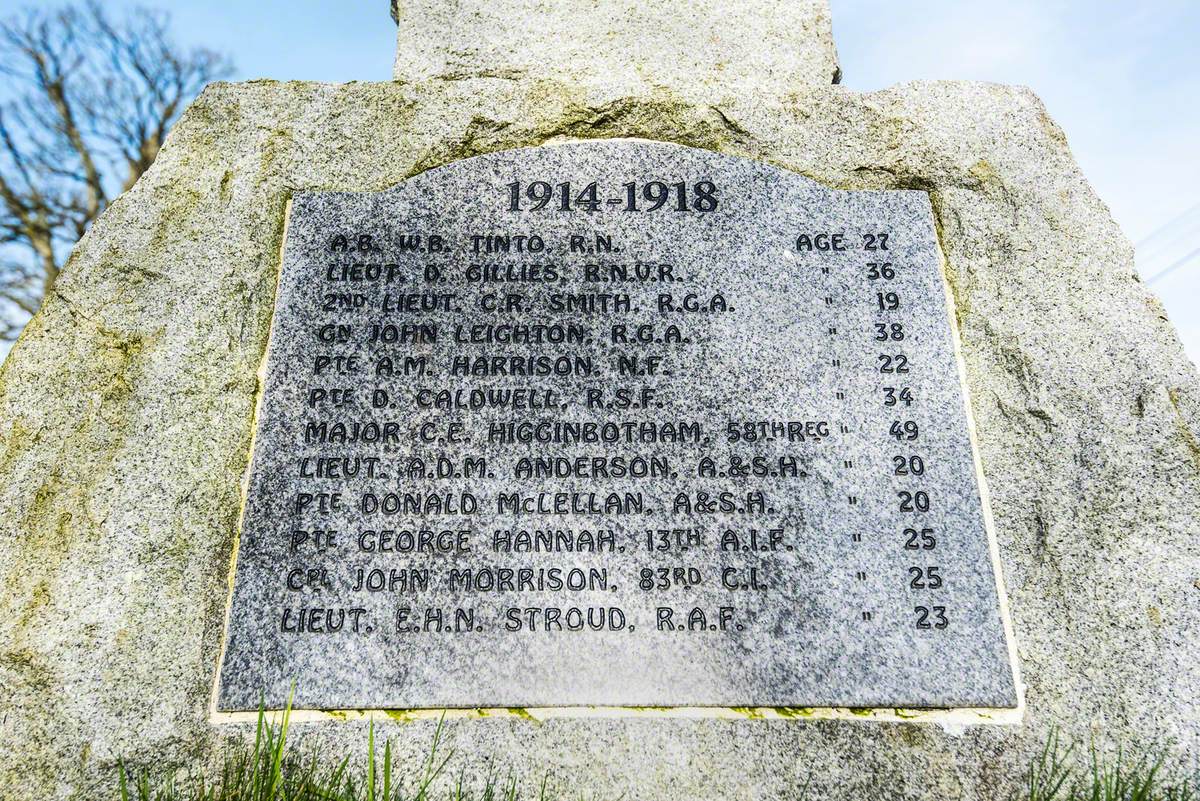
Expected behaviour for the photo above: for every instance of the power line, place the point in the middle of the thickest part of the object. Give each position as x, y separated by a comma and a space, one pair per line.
1181, 227
1184, 230
1167, 226
1174, 266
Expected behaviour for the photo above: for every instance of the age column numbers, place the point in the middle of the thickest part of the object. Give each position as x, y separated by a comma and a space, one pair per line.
913, 500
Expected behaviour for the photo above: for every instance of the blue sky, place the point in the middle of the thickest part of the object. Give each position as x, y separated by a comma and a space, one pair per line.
1122, 79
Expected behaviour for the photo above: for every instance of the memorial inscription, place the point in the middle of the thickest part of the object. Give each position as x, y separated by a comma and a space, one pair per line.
613, 423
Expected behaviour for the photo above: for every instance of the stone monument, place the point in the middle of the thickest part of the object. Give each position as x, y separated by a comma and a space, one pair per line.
687, 425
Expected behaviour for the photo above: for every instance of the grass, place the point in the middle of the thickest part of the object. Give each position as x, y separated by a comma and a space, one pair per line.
1057, 775
270, 771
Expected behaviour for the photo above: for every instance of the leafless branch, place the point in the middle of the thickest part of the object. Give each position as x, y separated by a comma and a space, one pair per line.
88, 105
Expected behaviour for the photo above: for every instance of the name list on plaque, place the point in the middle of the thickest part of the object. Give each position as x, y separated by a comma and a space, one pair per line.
615, 423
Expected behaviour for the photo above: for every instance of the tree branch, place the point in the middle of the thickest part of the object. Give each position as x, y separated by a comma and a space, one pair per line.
91, 106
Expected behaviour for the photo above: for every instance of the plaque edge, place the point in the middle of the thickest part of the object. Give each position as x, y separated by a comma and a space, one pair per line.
961, 715
985, 502
941, 716
244, 489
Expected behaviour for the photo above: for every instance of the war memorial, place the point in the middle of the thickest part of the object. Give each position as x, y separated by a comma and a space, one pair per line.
617, 391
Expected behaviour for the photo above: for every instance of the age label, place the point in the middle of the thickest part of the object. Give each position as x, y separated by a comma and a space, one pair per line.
613, 423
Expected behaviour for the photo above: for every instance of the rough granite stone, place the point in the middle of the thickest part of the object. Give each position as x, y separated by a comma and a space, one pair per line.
693, 48
822, 612
126, 410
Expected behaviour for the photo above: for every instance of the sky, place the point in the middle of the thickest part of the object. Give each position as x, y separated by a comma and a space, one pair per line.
1121, 78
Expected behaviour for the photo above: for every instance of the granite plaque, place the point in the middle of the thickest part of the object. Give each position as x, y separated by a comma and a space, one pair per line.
613, 423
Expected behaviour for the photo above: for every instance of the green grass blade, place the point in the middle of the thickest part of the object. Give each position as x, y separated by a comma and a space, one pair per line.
371, 761
387, 770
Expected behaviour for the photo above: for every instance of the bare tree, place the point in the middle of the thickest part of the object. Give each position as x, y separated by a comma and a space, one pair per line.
89, 103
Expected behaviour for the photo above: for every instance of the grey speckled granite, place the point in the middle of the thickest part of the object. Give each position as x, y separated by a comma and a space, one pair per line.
830, 552
126, 411
700, 49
